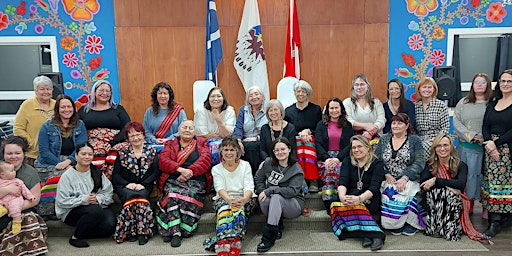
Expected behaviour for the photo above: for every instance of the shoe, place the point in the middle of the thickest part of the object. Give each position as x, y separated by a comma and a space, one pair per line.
79, 243
376, 244
16, 227
131, 239
493, 229
313, 189
176, 241
366, 242
143, 240
305, 211
436, 235
279, 234
268, 238
167, 239
397, 232
409, 230
3, 211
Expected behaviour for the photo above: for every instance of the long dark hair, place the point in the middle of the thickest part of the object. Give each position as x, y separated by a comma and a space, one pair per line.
224, 100
95, 172
154, 97
471, 98
291, 157
73, 121
342, 121
498, 94
401, 108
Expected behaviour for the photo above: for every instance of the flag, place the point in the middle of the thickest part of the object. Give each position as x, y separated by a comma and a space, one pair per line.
291, 55
213, 45
249, 59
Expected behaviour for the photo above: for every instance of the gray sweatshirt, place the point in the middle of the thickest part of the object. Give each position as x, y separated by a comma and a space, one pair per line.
74, 189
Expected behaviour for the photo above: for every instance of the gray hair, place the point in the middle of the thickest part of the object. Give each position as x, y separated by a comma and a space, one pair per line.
92, 96
272, 103
257, 89
301, 84
186, 120
42, 81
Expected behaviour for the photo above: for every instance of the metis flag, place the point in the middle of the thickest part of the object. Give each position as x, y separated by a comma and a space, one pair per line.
291, 55
213, 45
249, 59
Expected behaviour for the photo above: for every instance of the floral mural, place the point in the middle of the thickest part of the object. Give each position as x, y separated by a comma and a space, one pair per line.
418, 31
84, 30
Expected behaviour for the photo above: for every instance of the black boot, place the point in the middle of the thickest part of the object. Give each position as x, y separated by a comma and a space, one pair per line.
281, 228
494, 225
268, 238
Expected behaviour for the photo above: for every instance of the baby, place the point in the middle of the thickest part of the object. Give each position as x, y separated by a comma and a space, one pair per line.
12, 203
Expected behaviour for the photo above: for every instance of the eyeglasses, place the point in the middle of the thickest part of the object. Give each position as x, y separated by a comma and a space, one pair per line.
359, 85
45, 89
505, 81
104, 91
135, 135
443, 146
229, 150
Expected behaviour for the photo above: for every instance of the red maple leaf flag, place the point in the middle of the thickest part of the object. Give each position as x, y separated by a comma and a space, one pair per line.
291, 55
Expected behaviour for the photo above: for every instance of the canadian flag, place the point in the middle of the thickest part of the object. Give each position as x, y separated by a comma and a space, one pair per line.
291, 56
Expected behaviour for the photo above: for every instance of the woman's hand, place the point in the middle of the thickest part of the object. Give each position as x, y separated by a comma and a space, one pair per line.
92, 199
331, 163
216, 115
242, 146
428, 184
491, 149
400, 185
236, 202
390, 179
305, 135
160, 141
250, 139
262, 196
186, 174
351, 201
64, 165
454, 190
13, 189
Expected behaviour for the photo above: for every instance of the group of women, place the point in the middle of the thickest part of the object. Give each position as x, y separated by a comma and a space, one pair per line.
275, 154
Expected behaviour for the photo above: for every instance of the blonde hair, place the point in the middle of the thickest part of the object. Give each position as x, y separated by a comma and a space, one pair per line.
423, 81
433, 160
369, 157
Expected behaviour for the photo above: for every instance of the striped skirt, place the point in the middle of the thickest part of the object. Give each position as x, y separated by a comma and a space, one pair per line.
497, 184
50, 178
330, 179
180, 207
136, 218
306, 157
401, 208
354, 222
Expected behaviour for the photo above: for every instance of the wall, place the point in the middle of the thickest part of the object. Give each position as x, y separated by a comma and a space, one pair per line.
84, 34
419, 29
163, 40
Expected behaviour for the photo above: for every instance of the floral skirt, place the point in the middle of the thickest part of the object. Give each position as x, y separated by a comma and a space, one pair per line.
99, 138
30, 241
497, 184
136, 218
401, 208
444, 212
180, 207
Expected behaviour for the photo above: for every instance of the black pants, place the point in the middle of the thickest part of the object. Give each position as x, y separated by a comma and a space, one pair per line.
91, 221
252, 154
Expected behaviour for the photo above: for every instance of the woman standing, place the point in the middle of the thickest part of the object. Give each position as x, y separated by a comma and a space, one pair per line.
333, 135
404, 159
234, 200
33, 113
57, 140
444, 179
32, 238
277, 127
497, 133
364, 112
279, 188
251, 117
135, 171
104, 120
361, 176
162, 119
467, 125
83, 197
431, 114
304, 115
214, 121
185, 165
397, 104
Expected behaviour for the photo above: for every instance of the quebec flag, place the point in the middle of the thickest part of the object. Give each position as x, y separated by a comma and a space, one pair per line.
213, 45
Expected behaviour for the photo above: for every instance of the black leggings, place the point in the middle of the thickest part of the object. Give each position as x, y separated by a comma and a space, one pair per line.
91, 221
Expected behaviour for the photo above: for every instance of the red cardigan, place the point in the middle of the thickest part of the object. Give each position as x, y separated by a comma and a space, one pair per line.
168, 165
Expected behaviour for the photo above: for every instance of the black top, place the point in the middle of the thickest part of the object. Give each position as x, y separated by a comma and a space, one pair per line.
322, 141
67, 147
498, 123
122, 177
457, 182
409, 110
371, 178
112, 118
266, 139
303, 119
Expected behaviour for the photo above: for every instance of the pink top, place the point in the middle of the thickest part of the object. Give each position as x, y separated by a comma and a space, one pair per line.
24, 190
334, 133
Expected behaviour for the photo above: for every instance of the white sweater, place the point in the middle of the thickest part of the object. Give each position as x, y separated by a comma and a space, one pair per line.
234, 183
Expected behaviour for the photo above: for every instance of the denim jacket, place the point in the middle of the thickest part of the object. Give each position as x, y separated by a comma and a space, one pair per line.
50, 142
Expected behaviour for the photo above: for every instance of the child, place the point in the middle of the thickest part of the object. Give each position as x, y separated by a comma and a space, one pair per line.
11, 203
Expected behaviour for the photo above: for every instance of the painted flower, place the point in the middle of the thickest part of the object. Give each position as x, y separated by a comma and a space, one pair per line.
67, 43
54, 5
9, 9
95, 63
496, 12
75, 74
421, 8
39, 29
93, 44
416, 42
22, 9
437, 57
82, 100
408, 59
464, 2
81, 10
464, 20
70, 60
475, 3
4, 20
413, 25
438, 33
73, 26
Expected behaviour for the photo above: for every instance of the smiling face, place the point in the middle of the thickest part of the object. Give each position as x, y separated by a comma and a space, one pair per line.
444, 148
186, 130
359, 150
255, 98
301, 95
229, 153
216, 100
66, 109
394, 90
44, 93
14, 155
103, 94
426, 91
282, 152
360, 87
479, 85
506, 83
162, 96
136, 138
274, 113
399, 128
334, 110
84, 156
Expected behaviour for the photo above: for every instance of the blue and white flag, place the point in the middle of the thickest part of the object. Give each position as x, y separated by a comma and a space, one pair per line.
249, 59
213, 45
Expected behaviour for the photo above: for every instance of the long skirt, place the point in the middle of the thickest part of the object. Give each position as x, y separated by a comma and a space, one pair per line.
330, 179
474, 158
99, 138
354, 222
50, 178
401, 208
136, 218
444, 212
231, 226
213, 145
306, 157
497, 184
180, 207
30, 241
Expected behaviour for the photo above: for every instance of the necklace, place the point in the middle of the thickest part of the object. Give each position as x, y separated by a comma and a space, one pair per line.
272, 131
360, 177
393, 109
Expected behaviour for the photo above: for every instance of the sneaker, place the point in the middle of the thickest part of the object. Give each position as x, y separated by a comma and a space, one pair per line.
176, 241
409, 230
397, 232
305, 211
313, 189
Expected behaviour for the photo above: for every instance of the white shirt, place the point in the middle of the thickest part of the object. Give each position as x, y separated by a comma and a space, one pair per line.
205, 123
